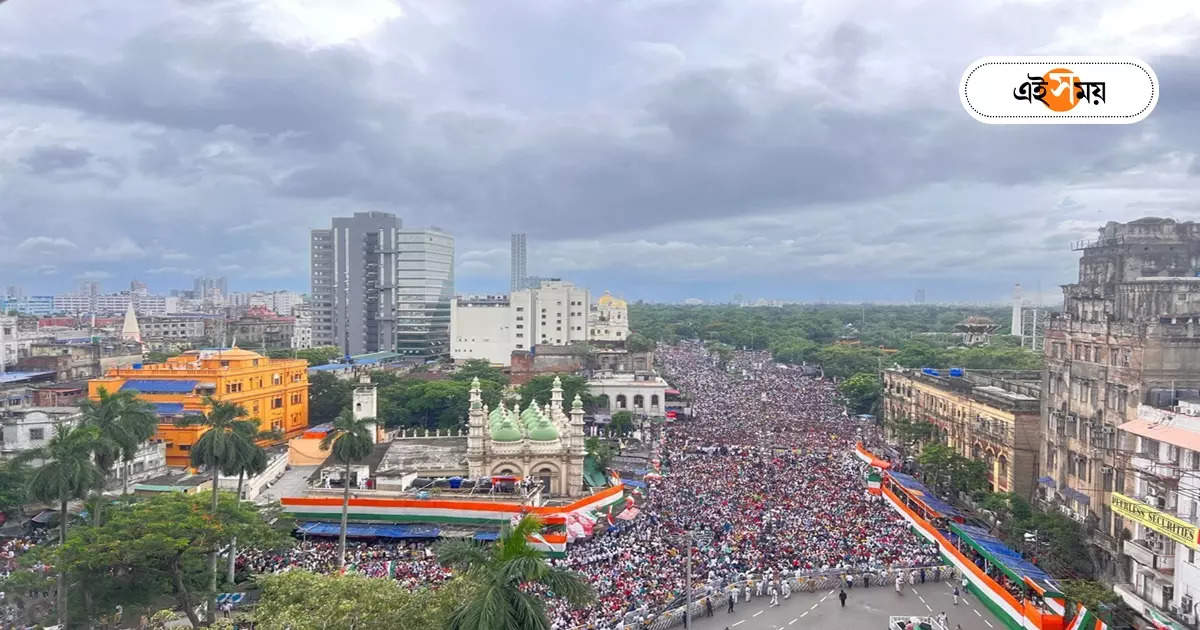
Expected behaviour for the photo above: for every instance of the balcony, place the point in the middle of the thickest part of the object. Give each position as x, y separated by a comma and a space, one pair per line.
1160, 558
1151, 466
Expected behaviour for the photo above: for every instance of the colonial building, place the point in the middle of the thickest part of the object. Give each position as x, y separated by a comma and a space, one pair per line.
991, 416
608, 320
642, 393
275, 391
1129, 334
1161, 510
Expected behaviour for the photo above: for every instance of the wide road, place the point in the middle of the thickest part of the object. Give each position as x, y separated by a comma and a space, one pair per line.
866, 609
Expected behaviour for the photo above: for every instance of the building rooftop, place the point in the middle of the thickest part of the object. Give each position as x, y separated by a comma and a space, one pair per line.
448, 454
22, 377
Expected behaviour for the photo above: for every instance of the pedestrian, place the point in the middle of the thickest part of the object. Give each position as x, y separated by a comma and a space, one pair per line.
912, 576
733, 596
922, 575
745, 591
866, 580
774, 595
942, 619
849, 581
955, 594
707, 606
899, 582
842, 596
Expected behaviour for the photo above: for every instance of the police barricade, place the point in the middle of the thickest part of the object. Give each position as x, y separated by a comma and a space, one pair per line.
807, 583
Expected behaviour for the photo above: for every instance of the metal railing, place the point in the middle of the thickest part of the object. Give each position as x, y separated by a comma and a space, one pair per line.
810, 583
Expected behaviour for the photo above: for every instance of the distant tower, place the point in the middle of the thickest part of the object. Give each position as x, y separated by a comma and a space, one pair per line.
365, 402
130, 331
1016, 311
518, 274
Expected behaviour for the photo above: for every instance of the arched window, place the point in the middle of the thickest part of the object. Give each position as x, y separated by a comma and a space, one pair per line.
603, 401
639, 401
544, 476
653, 400
622, 403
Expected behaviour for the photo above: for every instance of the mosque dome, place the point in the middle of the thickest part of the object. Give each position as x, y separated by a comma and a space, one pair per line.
543, 431
504, 431
608, 300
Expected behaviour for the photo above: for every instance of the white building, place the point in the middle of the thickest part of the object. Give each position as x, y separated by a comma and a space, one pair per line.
481, 328
280, 302
642, 393
556, 313
15, 344
609, 319
28, 428
1162, 512
109, 304
302, 330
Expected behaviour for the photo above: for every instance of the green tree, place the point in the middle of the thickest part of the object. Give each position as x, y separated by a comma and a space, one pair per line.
622, 423
481, 369
349, 441
14, 478
158, 356
1096, 596
319, 356
157, 546
637, 342
67, 472
498, 574
217, 449
539, 388
250, 459
861, 391
601, 450
328, 395
300, 600
125, 423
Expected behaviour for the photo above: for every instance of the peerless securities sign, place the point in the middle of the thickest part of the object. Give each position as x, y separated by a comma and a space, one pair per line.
1160, 522
1060, 89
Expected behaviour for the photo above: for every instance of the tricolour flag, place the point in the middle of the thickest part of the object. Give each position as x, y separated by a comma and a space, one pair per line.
874, 482
1085, 620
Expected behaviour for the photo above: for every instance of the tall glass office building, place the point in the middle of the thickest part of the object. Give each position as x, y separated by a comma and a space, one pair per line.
424, 287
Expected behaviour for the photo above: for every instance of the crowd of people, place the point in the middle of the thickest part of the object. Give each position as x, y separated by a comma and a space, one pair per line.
759, 476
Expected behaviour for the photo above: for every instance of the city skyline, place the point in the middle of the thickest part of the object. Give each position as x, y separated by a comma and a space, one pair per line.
796, 152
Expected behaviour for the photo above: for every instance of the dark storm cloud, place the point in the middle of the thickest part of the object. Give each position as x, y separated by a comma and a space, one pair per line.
49, 159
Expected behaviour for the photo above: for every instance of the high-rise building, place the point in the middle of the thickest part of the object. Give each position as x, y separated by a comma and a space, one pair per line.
1126, 337
210, 288
377, 287
424, 287
518, 277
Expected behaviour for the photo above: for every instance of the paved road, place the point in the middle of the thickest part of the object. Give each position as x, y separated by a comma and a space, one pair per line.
866, 609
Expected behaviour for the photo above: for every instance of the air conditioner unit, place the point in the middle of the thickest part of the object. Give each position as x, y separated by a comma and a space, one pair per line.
1160, 502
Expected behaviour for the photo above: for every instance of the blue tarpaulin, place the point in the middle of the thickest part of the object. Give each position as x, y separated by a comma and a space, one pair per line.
1001, 552
487, 535
1047, 481
159, 386
168, 409
923, 493
365, 530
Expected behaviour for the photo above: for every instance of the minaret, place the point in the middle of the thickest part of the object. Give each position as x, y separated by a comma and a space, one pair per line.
476, 425
130, 331
576, 450
556, 393
365, 404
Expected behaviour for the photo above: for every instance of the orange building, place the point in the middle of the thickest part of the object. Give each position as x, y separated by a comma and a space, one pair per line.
275, 391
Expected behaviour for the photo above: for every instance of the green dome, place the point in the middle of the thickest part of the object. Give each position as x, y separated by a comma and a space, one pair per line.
529, 415
543, 431
495, 415
504, 431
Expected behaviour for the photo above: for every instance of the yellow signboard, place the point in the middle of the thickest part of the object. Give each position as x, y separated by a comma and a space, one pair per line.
1157, 520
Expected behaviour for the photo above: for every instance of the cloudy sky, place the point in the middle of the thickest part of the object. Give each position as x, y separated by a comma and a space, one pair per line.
662, 149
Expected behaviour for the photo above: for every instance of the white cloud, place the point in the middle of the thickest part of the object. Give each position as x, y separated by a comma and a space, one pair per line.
122, 248
94, 274
44, 244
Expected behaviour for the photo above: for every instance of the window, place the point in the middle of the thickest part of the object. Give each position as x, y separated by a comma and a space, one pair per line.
295, 399
37, 434
277, 379
185, 447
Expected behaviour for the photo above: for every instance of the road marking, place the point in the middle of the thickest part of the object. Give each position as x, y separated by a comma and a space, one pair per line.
988, 623
921, 598
793, 621
757, 614
814, 607
916, 593
832, 592
803, 613
928, 608
738, 623
976, 612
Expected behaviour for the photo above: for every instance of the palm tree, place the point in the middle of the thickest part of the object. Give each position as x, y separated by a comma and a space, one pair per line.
350, 440
125, 422
498, 572
217, 450
67, 472
251, 460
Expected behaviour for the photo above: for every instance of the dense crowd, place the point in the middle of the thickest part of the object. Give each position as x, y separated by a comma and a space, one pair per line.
760, 474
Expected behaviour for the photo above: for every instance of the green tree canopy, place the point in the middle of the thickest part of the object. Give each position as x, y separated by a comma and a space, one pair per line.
861, 391
327, 397
320, 355
539, 388
622, 423
299, 600
481, 369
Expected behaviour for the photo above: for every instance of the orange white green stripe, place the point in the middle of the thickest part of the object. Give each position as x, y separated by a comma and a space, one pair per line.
1085, 620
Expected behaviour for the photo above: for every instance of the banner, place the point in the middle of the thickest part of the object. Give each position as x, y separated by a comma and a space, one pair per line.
1156, 520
